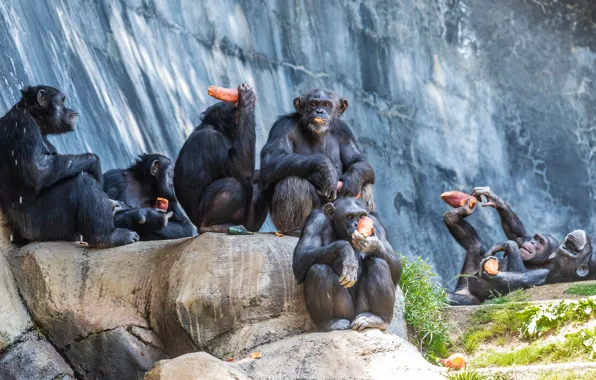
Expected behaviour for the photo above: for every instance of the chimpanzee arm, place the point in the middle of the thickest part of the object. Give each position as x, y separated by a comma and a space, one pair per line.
278, 160
462, 231
242, 152
512, 226
357, 170
41, 170
179, 226
516, 280
514, 261
311, 248
386, 252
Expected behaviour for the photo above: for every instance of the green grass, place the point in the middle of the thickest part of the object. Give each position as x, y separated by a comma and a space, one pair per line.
515, 296
566, 375
572, 348
492, 323
425, 302
582, 290
466, 375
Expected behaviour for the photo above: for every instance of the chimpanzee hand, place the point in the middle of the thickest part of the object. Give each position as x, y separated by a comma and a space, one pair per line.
349, 188
93, 166
466, 209
484, 274
247, 97
366, 245
349, 261
325, 179
492, 199
505, 247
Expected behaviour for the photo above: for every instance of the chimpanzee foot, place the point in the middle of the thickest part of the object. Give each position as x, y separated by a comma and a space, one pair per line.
120, 236
336, 324
368, 321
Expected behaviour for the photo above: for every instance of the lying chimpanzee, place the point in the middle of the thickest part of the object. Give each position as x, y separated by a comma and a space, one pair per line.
573, 260
215, 177
45, 195
349, 281
534, 251
138, 188
310, 158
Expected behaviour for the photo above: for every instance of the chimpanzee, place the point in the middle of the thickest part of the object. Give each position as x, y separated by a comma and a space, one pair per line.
534, 251
310, 158
349, 280
215, 177
45, 195
573, 260
138, 187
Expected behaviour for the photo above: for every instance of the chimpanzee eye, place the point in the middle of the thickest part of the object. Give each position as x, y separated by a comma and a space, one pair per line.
313, 104
328, 104
350, 217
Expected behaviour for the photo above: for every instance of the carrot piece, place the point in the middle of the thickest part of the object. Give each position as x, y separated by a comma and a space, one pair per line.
455, 361
365, 226
458, 199
223, 94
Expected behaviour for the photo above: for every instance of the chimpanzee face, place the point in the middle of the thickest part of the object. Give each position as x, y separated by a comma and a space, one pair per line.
318, 109
163, 171
571, 254
538, 249
46, 105
344, 214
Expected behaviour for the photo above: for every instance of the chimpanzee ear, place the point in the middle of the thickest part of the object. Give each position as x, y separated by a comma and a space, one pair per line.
42, 98
329, 210
154, 167
298, 105
343, 106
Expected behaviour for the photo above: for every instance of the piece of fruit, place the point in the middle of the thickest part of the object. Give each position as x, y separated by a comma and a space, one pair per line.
491, 266
161, 203
279, 234
318, 120
455, 361
365, 226
457, 198
229, 360
223, 94
255, 355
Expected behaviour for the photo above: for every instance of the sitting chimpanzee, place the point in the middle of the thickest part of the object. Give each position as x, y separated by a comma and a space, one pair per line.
215, 177
312, 157
138, 187
534, 251
573, 260
48, 196
349, 280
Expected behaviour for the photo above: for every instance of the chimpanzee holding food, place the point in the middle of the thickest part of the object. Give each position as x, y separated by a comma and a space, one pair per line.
148, 203
573, 260
48, 196
215, 178
533, 251
348, 268
310, 158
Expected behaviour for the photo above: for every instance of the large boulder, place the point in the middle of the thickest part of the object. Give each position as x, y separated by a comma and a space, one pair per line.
216, 293
336, 355
33, 358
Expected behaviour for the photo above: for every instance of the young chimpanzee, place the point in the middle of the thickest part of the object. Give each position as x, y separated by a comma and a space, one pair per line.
349, 281
533, 251
310, 158
215, 177
45, 195
138, 187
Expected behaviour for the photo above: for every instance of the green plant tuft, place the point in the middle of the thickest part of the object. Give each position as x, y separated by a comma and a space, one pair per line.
425, 302
466, 375
582, 289
519, 295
